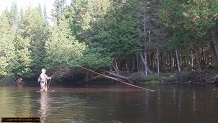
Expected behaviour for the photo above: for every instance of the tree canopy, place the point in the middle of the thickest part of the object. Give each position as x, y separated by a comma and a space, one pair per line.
123, 35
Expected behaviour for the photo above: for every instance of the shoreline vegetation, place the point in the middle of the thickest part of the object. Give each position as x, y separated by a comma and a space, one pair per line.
149, 41
139, 78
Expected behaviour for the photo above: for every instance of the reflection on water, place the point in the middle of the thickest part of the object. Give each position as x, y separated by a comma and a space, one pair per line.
194, 101
44, 106
168, 104
19, 86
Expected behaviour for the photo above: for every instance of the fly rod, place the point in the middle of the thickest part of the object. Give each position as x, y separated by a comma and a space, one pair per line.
117, 79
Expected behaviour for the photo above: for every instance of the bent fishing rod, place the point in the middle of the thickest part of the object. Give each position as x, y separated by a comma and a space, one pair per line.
126, 83
118, 80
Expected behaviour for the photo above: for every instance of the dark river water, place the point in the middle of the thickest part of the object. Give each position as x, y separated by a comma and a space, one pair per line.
110, 104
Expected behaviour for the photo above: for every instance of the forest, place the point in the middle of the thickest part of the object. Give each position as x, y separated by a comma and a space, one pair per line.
129, 39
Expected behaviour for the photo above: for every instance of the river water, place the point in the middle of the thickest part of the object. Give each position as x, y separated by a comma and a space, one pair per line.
111, 104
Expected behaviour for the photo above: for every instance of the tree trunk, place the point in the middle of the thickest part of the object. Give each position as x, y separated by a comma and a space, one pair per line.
188, 60
215, 40
161, 61
177, 60
171, 60
127, 67
215, 60
144, 59
134, 64
215, 44
198, 60
137, 62
158, 62
202, 60
115, 68
192, 60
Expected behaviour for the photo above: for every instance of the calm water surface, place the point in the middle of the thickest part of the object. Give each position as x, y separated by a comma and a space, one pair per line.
168, 104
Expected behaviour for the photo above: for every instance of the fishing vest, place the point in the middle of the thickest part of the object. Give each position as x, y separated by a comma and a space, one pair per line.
42, 80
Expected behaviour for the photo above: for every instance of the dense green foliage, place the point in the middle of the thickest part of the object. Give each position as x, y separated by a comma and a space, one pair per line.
99, 33
7, 50
190, 21
62, 50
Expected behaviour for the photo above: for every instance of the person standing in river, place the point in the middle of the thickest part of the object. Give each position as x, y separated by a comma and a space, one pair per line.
43, 80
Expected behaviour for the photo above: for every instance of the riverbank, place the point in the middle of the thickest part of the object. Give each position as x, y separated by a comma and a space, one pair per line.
185, 77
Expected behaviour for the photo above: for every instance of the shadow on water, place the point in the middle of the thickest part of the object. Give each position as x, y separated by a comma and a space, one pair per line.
111, 104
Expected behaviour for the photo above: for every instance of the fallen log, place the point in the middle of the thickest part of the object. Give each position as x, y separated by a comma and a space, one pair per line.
120, 76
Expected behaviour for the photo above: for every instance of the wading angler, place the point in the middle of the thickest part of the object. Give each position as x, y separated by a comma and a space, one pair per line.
43, 80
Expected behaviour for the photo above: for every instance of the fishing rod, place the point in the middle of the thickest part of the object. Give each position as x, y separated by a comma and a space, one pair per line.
49, 81
116, 79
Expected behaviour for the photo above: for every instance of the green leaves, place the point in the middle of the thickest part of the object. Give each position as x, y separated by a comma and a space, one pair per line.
119, 32
62, 50
95, 58
7, 49
189, 21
